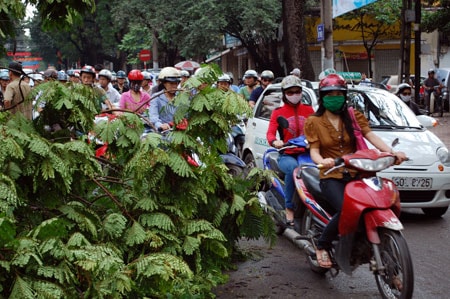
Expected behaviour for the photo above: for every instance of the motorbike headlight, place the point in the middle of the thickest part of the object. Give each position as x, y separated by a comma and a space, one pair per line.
373, 165
442, 153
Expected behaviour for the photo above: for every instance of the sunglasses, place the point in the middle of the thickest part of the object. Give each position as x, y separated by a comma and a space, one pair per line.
266, 79
406, 93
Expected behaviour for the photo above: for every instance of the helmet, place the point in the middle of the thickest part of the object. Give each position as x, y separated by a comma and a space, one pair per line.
147, 75
251, 74
4, 75
135, 75
34, 76
121, 75
224, 78
332, 82
430, 71
291, 81
62, 76
296, 72
51, 73
169, 74
267, 74
15, 67
105, 73
70, 73
184, 73
88, 70
402, 87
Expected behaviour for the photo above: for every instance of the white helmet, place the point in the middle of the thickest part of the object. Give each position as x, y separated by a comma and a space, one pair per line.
169, 74
267, 74
403, 86
184, 73
224, 78
250, 74
105, 73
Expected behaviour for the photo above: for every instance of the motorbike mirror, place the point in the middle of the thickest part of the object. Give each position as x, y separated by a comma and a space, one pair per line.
282, 122
395, 142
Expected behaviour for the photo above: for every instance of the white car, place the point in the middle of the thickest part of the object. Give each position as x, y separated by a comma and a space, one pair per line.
423, 181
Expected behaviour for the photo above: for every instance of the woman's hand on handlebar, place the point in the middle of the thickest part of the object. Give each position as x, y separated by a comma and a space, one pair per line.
327, 163
278, 144
400, 157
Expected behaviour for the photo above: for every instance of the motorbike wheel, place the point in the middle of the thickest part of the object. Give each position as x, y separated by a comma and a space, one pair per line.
397, 280
236, 171
307, 229
249, 160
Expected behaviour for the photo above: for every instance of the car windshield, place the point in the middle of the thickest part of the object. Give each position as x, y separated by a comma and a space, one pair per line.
383, 109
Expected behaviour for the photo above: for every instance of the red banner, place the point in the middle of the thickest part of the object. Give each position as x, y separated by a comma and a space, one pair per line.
9, 53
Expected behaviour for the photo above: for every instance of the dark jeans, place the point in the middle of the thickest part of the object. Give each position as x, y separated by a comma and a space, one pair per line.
333, 189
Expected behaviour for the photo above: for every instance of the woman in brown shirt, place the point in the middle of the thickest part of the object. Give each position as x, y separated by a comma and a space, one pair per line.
330, 135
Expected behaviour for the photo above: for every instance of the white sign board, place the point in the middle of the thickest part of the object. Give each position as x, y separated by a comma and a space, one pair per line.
341, 7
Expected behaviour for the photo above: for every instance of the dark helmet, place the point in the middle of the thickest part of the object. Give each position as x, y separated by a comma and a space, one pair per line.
15, 67
332, 82
88, 70
135, 75
121, 75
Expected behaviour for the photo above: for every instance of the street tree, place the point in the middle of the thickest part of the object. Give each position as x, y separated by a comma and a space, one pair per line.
374, 22
295, 37
438, 18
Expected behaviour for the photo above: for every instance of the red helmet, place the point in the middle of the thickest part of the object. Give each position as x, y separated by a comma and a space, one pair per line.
135, 75
332, 82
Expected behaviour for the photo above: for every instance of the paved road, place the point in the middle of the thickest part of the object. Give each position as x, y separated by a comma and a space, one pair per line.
282, 271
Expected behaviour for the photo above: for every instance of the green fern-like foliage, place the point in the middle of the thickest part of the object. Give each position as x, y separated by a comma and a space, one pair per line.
140, 221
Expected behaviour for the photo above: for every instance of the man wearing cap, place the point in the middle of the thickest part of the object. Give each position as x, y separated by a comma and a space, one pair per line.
17, 91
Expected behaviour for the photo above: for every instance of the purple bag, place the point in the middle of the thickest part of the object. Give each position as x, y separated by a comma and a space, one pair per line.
360, 142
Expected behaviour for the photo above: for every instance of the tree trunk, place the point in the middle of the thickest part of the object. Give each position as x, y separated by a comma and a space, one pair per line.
295, 38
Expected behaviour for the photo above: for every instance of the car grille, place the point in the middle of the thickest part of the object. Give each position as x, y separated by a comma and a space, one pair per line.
417, 196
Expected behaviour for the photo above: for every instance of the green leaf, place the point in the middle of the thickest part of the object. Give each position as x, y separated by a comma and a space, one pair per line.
135, 234
21, 290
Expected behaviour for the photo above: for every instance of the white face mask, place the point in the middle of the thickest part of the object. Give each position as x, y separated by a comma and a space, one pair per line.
405, 98
294, 99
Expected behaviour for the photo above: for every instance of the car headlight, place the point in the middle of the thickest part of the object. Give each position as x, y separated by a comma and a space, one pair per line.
372, 165
442, 153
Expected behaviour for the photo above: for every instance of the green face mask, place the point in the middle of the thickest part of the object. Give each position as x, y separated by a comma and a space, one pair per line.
333, 103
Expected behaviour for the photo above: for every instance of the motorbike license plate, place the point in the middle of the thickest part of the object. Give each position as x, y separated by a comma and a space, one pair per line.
413, 183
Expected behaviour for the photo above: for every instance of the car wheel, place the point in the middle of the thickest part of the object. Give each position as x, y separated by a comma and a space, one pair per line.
250, 161
435, 212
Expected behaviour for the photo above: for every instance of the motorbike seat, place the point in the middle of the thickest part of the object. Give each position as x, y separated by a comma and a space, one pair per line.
310, 177
273, 162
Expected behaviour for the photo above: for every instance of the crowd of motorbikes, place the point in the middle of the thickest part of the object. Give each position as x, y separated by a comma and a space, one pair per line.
369, 226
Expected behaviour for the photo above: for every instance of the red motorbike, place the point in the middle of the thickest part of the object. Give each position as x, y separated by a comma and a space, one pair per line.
369, 225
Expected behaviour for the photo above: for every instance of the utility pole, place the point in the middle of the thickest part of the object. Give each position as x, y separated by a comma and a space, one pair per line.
405, 46
417, 49
327, 45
